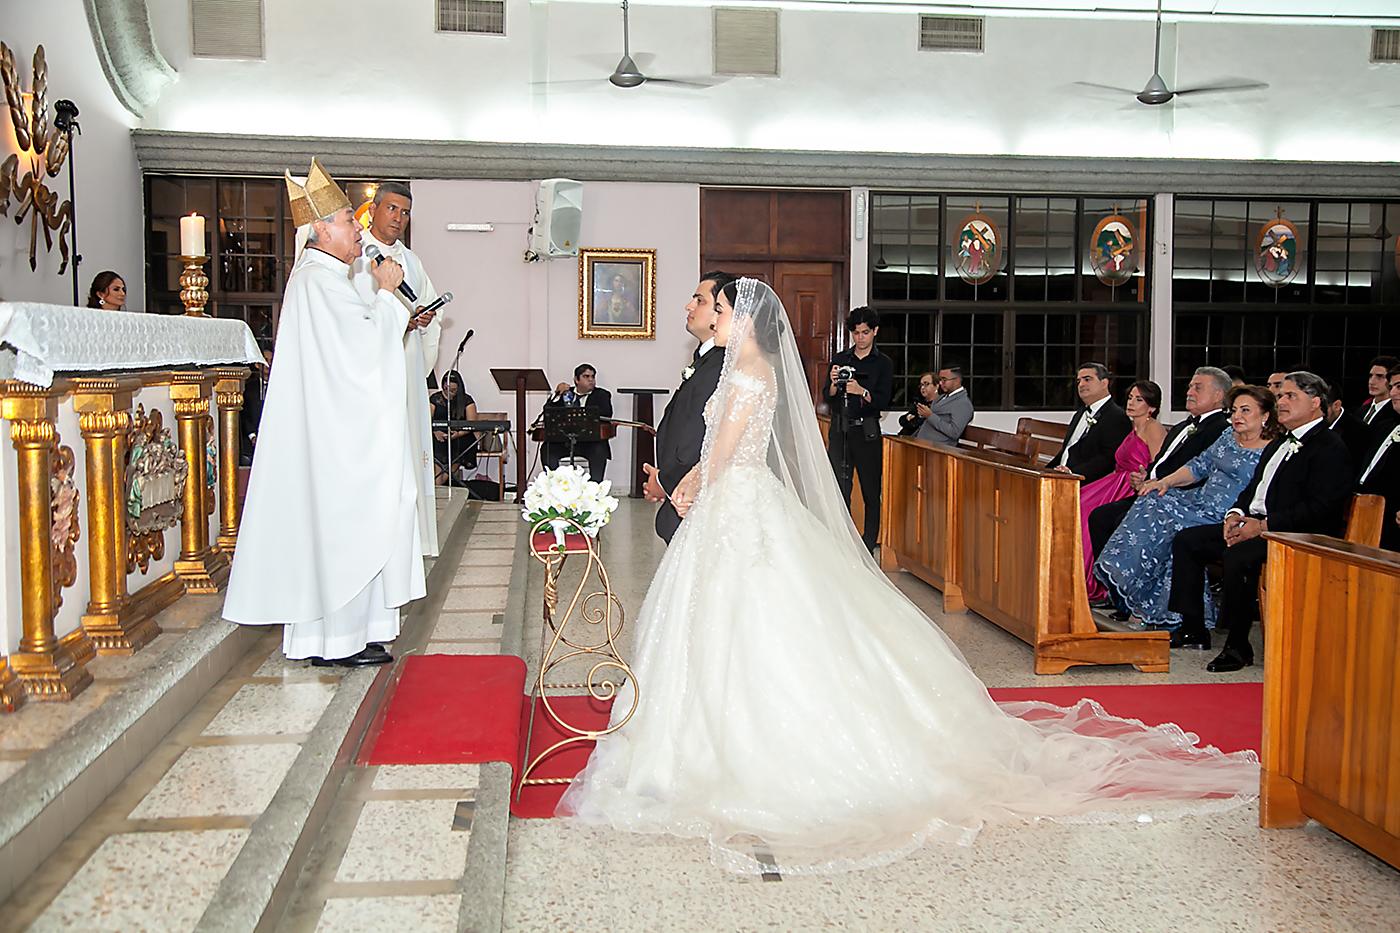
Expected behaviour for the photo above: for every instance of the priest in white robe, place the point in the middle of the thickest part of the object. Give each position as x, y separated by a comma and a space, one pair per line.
389, 218
329, 544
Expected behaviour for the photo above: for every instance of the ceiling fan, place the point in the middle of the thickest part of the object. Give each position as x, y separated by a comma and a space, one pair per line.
1156, 92
628, 75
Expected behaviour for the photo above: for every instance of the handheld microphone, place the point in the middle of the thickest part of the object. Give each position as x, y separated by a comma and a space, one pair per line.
372, 252
436, 303
464, 339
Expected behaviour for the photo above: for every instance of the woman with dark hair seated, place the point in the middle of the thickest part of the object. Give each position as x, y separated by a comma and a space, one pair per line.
108, 292
453, 403
1136, 564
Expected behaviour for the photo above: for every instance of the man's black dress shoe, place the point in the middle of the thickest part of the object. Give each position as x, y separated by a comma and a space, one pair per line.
376, 647
1105, 604
1118, 615
1229, 660
1184, 639
362, 658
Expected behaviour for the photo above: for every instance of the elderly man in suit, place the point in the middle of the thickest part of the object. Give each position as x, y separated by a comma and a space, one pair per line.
681, 433
1302, 484
1205, 401
949, 414
1096, 429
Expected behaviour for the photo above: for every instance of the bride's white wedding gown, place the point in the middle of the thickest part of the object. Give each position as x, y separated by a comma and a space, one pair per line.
791, 698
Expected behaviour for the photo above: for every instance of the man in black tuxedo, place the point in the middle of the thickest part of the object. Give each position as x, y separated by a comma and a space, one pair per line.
1205, 401
1096, 429
1302, 484
584, 393
1355, 433
1380, 472
682, 429
1378, 414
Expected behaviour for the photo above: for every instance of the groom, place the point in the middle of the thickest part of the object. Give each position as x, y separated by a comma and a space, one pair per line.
682, 429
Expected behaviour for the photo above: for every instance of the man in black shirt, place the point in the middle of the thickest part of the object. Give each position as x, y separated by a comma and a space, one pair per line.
854, 444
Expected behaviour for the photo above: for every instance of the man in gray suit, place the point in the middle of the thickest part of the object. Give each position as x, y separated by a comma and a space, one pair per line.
949, 414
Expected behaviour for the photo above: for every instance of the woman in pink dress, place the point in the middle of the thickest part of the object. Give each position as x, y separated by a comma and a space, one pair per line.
1138, 449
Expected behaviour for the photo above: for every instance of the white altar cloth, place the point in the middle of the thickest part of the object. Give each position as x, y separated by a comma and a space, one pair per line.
39, 340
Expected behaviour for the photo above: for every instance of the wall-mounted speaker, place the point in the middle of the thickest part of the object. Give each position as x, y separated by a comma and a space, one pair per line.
558, 219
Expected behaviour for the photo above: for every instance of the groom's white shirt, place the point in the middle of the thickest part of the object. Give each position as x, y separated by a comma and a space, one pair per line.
707, 346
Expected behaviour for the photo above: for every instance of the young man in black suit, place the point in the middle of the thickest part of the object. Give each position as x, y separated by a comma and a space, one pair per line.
1205, 401
1378, 414
1096, 429
584, 393
1302, 484
1347, 425
682, 429
1380, 472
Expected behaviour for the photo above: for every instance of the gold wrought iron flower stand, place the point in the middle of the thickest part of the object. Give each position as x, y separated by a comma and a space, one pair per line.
587, 631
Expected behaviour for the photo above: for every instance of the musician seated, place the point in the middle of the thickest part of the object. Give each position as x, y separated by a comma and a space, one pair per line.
584, 393
453, 403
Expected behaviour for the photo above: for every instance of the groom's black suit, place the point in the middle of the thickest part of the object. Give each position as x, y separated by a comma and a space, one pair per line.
682, 432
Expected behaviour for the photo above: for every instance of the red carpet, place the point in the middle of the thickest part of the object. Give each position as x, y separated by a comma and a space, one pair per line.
460, 709
1228, 716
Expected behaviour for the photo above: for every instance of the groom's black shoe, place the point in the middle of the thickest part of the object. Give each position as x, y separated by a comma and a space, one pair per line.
1182, 638
362, 658
1230, 660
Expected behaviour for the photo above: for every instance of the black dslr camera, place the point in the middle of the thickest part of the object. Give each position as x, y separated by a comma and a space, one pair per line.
844, 374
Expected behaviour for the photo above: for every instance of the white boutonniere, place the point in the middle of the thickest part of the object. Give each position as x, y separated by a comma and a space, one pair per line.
1191, 429
1395, 436
687, 372
1089, 418
1294, 444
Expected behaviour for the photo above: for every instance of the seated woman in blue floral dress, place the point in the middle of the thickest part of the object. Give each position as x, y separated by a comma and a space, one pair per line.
1136, 564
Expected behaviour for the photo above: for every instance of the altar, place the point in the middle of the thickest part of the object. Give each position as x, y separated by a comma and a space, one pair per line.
118, 491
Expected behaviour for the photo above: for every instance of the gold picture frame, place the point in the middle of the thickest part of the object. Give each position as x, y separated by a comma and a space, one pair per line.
617, 293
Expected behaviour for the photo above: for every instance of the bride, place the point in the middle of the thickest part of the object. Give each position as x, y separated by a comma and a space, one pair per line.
795, 704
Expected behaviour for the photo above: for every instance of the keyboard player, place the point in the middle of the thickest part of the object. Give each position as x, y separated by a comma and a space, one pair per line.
452, 403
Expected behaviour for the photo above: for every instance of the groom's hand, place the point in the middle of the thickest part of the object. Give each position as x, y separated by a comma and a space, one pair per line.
652, 491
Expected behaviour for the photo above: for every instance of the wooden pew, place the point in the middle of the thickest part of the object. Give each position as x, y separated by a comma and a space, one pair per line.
1365, 518
1002, 538
1046, 437
1331, 691
1017, 445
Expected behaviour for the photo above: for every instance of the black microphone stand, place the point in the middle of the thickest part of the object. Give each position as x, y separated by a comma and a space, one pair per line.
447, 404
65, 121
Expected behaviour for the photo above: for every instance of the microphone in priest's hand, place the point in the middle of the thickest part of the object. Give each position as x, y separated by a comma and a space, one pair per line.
372, 252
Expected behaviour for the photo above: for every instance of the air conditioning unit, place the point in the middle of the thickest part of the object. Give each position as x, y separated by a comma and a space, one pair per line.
558, 219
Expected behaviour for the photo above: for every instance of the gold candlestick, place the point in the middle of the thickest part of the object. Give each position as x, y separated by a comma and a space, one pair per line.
194, 286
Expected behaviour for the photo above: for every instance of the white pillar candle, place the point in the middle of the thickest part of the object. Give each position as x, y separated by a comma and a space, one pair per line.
192, 235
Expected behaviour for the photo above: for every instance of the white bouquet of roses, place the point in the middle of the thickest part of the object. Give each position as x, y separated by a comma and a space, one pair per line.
567, 493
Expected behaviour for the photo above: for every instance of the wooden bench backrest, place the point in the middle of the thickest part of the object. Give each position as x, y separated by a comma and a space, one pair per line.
989, 439
1365, 519
1046, 437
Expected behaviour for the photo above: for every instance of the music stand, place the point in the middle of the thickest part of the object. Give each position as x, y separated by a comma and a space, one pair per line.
570, 425
520, 381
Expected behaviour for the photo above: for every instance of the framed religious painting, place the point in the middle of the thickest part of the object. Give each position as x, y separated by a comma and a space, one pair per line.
617, 293
979, 247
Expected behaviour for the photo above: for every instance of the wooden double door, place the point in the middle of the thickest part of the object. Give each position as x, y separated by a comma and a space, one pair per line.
795, 240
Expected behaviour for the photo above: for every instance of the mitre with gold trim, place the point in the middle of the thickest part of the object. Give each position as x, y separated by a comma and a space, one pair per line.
319, 197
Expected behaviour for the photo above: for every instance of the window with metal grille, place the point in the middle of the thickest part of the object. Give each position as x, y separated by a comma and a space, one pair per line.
479, 17
950, 33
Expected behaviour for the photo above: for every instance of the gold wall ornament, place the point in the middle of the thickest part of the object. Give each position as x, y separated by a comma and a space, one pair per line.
49, 668
154, 487
64, 528
586, 632
45, 148
194, 286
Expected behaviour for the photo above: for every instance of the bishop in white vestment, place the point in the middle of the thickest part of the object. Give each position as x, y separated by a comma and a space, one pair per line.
389, 218
329, 544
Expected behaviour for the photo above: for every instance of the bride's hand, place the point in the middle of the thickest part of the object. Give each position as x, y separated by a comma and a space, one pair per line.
683, 496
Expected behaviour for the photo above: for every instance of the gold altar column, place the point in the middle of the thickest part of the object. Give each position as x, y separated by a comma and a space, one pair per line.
228, 393
203, 569
104, 415
48, 668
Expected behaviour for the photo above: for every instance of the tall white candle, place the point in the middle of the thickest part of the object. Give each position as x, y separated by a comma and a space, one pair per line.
192, 235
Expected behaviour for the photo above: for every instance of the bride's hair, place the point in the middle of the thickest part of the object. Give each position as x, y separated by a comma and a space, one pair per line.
767, 319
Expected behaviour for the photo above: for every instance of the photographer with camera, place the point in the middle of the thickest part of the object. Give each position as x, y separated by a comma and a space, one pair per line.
857, 389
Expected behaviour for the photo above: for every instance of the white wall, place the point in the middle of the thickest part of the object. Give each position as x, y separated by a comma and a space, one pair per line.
526, 314
109, 198
851, 80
